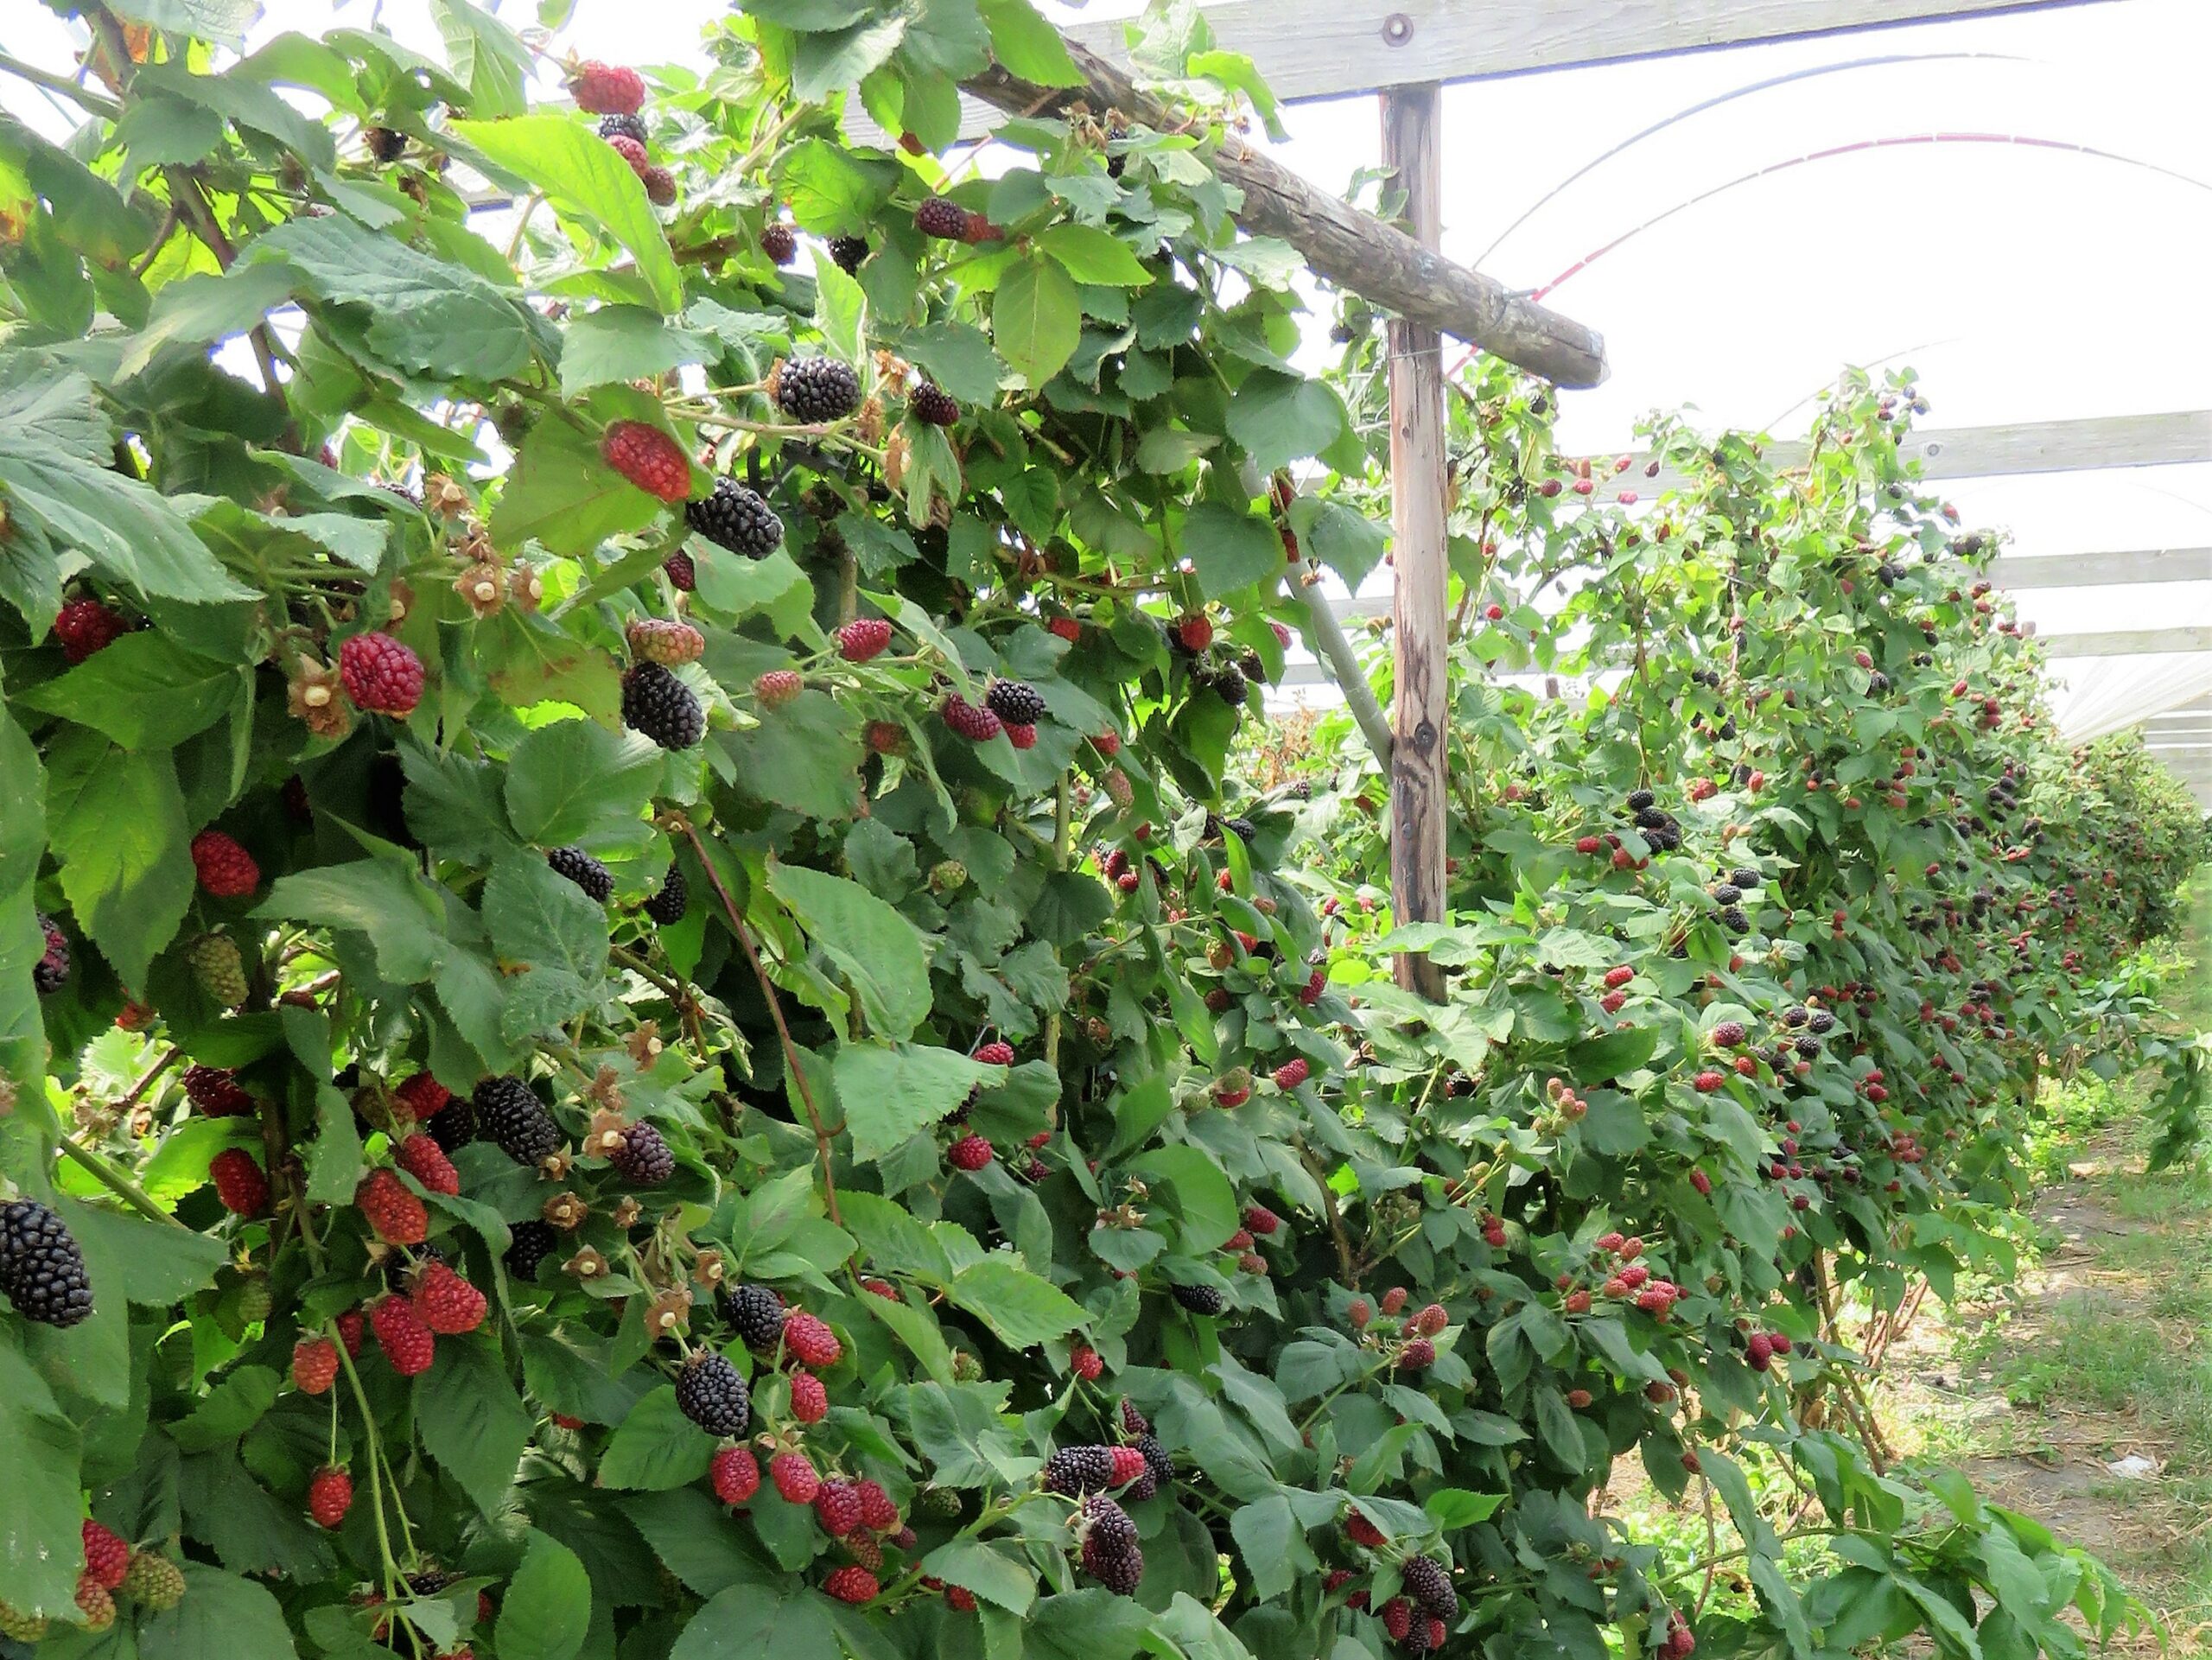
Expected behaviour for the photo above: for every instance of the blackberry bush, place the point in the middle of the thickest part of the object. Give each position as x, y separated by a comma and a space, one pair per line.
978, 1069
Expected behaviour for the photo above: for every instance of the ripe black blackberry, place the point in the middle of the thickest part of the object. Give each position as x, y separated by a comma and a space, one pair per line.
1429, 1585
1155, 1458
1649, 819
932, 405
41, 1270
1733, 919
51, 972
943, 218
1230, 685
657, 703
582, 870
1015, 701
1726, 893
711, 1394
509, 1113
1807, 1046
1245, 828
1199, 1299
756, 1313
779, 243
1252, 669
1823, 1021
1134, 1422
1641, 800
644, 1157
818, 389
1794, 1014
531, 1244
848, 252
455, 1124
1744, 877
1080, 1470
622, 126
667, 908
1110, 1553
735, 518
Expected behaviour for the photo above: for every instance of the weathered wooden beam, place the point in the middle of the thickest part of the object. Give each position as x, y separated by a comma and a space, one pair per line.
1329, 49
1308, 50
1352, 249
2170, 438
1419, 756
2019, 574
2012, 572
2128, 642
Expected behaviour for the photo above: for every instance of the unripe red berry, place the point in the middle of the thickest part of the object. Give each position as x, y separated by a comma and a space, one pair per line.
330, 1495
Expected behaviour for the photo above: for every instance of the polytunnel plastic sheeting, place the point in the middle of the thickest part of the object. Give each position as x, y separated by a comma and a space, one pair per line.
2096, 695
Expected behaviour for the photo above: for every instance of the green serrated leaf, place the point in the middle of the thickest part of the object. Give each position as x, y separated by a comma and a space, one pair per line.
1036, 320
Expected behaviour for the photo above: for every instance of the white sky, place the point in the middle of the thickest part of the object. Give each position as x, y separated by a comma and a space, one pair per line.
2024, 283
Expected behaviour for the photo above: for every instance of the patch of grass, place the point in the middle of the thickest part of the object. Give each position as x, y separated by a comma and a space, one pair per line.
2104, 1345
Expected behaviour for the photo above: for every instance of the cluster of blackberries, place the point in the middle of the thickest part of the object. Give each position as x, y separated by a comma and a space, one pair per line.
585, 871
818, 389
755, 1312
1727, 894
1430, 1587
509, 1112
41, 1271
659, 705
1199, 1299
1227, 681
529, 1245
1080, 1470
711, 1393
667, 907
1658, 827
1110, 1552
1015, 701
644, 1156
736, 517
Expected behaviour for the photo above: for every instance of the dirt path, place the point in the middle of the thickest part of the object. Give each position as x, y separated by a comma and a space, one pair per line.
2082, 1395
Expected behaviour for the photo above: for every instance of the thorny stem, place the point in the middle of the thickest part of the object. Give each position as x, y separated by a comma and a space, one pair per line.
1346, 1265
775, 1013
376, 1482
190, 200
84, 96
522, 224
146, 1081
1063, 833
111, 1176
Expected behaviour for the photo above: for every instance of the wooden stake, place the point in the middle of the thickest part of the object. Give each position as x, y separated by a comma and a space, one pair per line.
1411, 124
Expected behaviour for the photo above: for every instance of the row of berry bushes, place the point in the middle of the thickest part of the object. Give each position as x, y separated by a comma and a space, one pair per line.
646, 1015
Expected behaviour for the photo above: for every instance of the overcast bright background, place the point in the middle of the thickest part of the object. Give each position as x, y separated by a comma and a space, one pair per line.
2024, 282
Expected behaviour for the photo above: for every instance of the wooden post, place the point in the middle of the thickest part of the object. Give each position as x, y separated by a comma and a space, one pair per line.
1412, 145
